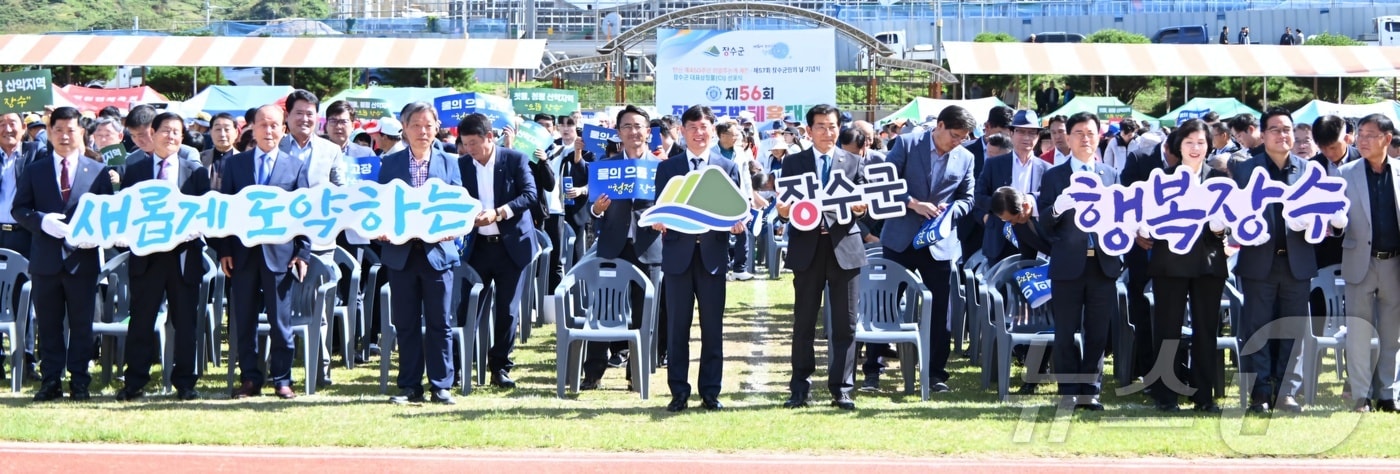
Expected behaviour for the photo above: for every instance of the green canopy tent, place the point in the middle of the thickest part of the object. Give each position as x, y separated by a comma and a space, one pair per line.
1091, 105
922, 107
1225, 106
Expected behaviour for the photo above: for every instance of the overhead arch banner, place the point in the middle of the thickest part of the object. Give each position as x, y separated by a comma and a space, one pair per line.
766, 73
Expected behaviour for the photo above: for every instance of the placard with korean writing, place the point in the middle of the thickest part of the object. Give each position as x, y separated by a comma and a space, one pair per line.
1114, 113
544, 101
1183, 116
113, 155
531, 136
595, 139
369, 108
622, 179
881, 190
153, 216
763, 72
26, 91
453, 108
364, 168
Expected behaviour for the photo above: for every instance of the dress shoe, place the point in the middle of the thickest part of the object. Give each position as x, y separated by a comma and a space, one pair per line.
1167, 407
79, 394
844, 402
1090, 403
1288, 404
186, 395
663, 360
589, 383
374, 350
872, 383
324, 382
501, 378
1027, 388
939, 387
129, 395
1387, 406
1362, 405
1258, 404
247, 389
1206, 408
49, 392
617, 360
285, 392
407, 396
797, 400
677, 404
711, 403
443, 397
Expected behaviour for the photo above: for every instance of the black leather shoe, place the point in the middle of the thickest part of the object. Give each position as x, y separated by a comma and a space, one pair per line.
128, 395
677, 404
1206, 408
1168, 407
1089, 404
407, 396
796, 401
1387, 406
939, 387
187, 395
443, 397
49, 392
872, 383
324, 382
1027, 388
711, 403
844, 402
1258, 404
78, 394
501, 378
1362, 405
588, 384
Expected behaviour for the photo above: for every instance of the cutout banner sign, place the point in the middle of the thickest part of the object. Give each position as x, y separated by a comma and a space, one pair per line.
622, 179
453, 108
883, 193
933, 231
26, 91
153, 216
1035, 284
544, 101
1178, 207
698, 202
595, 139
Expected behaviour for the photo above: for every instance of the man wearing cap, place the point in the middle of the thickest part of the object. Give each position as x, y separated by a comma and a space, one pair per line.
34, 130
387, 133
1019, 169
199, 128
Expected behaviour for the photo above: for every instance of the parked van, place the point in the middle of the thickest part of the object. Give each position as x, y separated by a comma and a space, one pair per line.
1195, 34
1055, 37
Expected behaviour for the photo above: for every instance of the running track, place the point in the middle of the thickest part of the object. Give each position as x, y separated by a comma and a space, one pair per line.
92, 458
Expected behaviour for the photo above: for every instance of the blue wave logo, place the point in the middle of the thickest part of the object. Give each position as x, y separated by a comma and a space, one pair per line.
688, 220
780, 50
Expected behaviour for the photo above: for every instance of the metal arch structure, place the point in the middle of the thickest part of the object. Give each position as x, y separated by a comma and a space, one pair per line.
640, 32
557, 68
940, 75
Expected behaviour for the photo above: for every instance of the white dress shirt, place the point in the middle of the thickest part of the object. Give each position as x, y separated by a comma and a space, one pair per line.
172, 169
1021, 174
72, 169
486, 190
690, 159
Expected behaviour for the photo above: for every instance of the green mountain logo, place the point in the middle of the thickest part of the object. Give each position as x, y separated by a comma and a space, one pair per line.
700, 201
713, 52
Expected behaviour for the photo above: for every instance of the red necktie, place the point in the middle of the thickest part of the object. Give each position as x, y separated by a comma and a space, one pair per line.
65, 187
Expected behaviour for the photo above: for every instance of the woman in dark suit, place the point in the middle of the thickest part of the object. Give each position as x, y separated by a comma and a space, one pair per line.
1198, 277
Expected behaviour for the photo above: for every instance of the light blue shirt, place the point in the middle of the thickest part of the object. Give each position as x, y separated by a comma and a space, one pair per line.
8, 182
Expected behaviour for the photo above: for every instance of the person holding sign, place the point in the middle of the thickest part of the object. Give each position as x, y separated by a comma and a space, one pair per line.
567, 202
420, 273
1197, 276
694, 267
1370, 266
1275, 277
828, 257
64, 278
941, 178
615, 220
171, 278
1083, 279
264, 273
504, 238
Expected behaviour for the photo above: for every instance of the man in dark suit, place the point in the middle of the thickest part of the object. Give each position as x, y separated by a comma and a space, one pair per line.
1084, 295
615, 220
504, 238
223, 134
1138, 168
15, 155
1018, 209
694, 267
829, 256
420, 273
64, 278
1274, 278
264, 273
942, 184
173, 276
1020, 169
970, 227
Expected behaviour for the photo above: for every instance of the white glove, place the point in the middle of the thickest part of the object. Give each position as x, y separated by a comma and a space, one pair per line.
1144, 233
121, 242
192, 236
1339, 220
54, 226
1064, 203
1218, 224
86, 245
1296, 225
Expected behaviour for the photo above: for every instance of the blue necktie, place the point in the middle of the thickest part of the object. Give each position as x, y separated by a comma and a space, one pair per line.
1087, 169
263, 170
826, 169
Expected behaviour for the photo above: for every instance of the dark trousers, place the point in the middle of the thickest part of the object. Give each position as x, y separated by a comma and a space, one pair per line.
162, 280
1171, 294
1277, 367
58, 300
1086, 304
421, 295
807, 285
554, 226
1139, 313
18, 239
493, 264
595, 360
683, 291
935, 275
739, 252
254, 283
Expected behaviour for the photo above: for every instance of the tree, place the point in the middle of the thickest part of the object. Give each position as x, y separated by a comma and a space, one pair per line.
1125, 88
460, 79
991, 85
324, 82
1327, 87
177, 83
268, 10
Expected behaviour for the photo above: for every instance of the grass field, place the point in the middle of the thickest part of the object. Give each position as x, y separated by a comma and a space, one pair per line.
966, 422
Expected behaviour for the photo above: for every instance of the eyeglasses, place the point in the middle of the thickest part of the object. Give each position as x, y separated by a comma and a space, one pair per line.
337, 121
1279, 131
1371, 136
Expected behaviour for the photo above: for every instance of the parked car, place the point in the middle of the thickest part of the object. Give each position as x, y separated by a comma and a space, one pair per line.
243, 76
1191, 34
1055, 37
